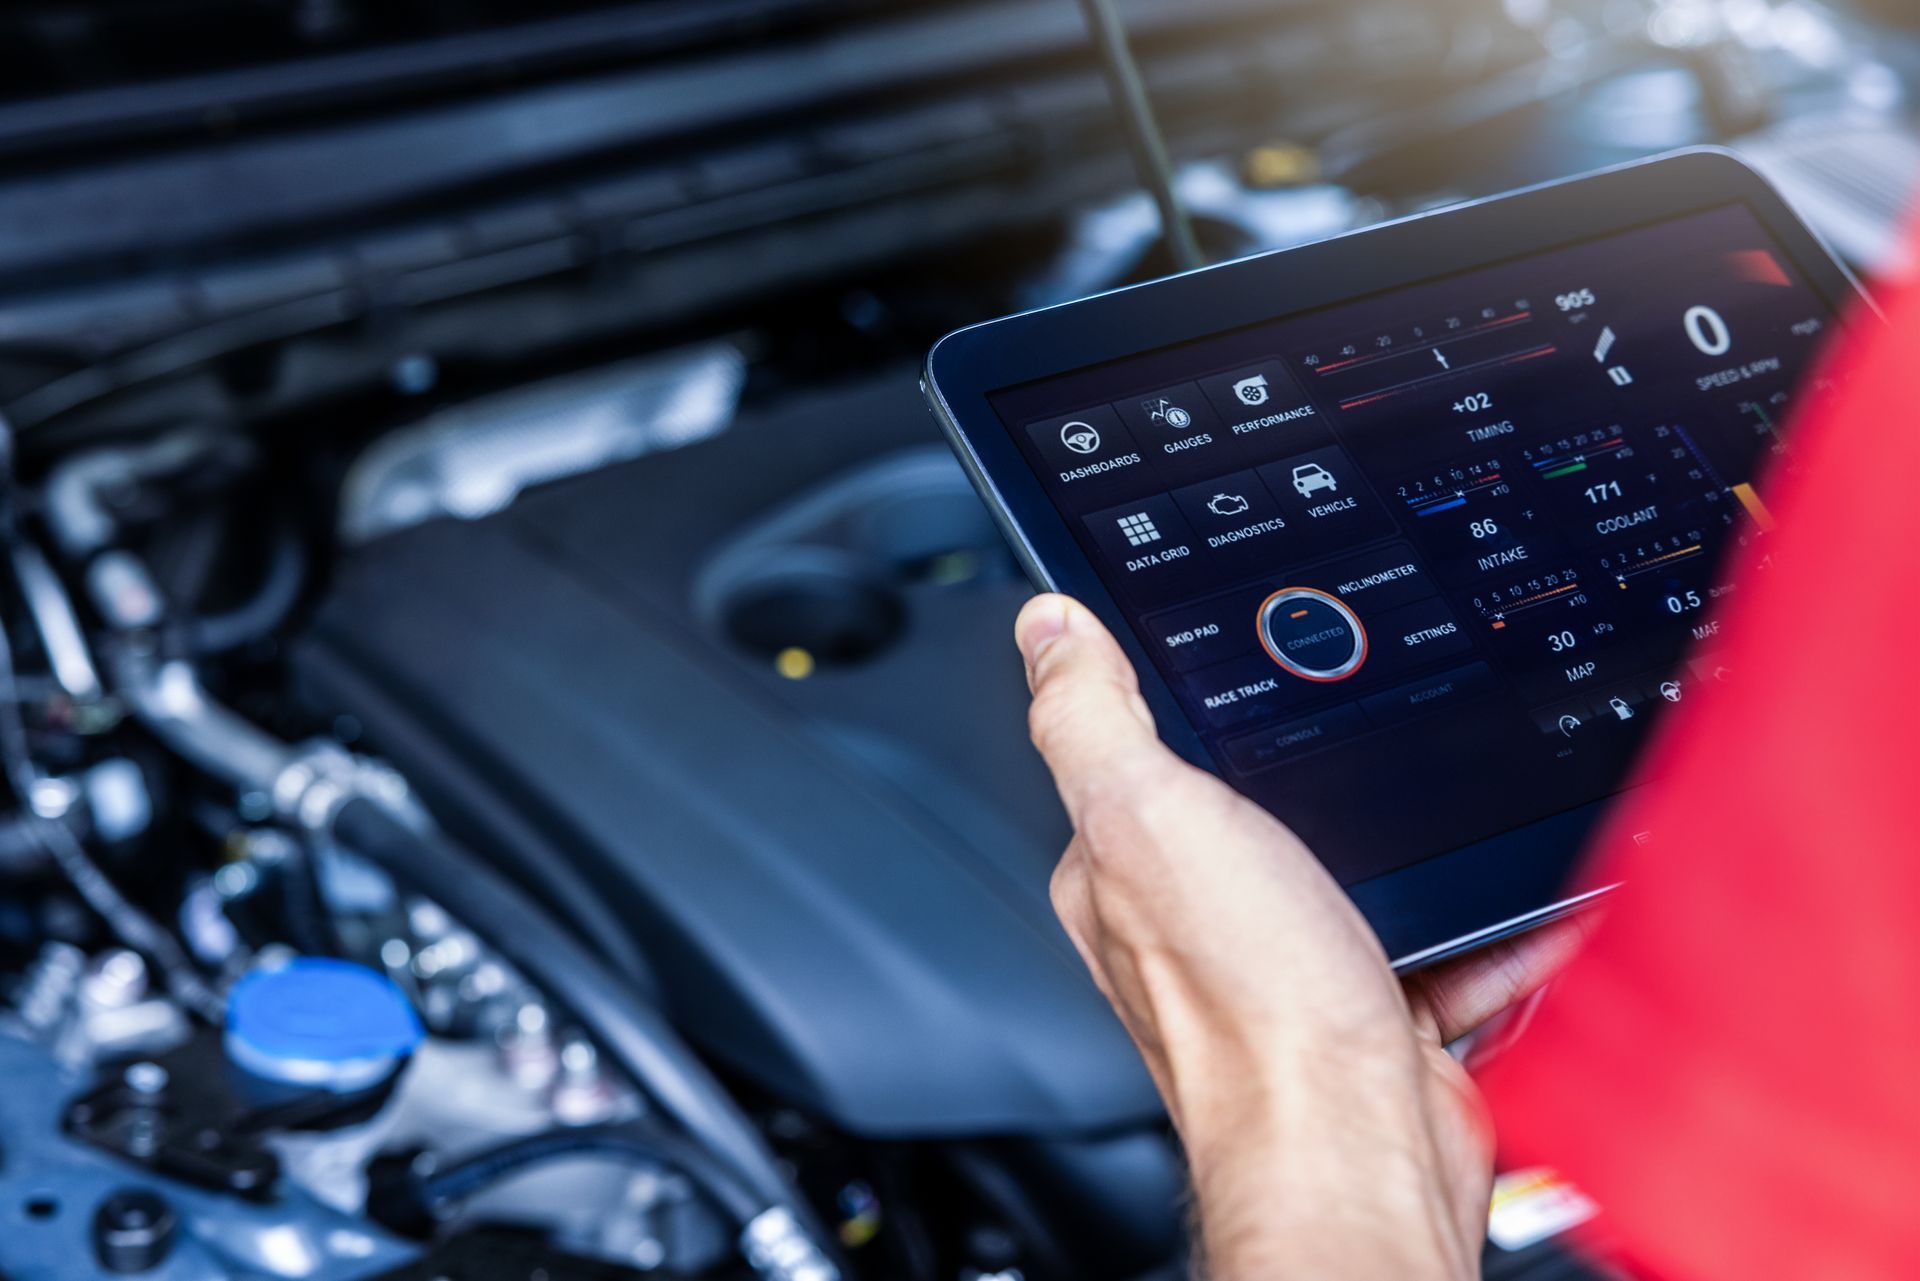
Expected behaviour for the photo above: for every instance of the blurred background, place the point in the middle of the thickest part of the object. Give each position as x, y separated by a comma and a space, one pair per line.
482, 577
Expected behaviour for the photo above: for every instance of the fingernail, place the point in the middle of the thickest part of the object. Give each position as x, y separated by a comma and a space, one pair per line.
1041, 623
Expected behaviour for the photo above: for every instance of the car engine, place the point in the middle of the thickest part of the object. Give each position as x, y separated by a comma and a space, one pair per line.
518, 768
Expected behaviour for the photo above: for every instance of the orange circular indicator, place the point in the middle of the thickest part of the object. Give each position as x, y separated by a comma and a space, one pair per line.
1312, 634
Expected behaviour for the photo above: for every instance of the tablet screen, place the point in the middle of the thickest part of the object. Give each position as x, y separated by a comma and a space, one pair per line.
1421, 568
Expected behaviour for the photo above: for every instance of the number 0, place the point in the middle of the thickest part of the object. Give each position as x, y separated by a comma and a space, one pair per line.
1707, 331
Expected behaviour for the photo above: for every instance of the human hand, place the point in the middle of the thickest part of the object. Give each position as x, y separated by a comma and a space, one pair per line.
1329, 1132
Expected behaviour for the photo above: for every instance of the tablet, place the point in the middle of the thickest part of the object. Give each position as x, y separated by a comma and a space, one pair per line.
1413, 533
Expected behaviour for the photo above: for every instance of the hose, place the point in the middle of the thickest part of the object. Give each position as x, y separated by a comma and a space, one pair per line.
438, 1191
21, 850
255, 618
303, 902
15, 758
636, 1035
74, 503
557, 883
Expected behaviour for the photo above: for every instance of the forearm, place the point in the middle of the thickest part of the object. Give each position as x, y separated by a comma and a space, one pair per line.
1287, 1186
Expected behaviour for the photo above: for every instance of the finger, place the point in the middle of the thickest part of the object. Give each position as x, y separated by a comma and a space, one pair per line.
1051, 617
1042, 621
1088, 718
1461, 995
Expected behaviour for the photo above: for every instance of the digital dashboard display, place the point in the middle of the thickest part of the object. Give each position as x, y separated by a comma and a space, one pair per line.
1423, 567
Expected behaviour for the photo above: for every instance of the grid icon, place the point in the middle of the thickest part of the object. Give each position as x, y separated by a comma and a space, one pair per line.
1139, 529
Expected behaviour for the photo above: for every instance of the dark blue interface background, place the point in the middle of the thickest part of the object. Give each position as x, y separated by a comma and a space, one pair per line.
1423, 568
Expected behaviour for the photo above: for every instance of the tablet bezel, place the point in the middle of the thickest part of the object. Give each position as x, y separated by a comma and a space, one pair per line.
1473, 894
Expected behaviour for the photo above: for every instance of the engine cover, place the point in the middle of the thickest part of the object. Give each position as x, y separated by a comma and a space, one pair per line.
760, 696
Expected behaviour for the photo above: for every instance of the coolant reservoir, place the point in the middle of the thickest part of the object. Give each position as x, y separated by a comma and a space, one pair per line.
322, 1024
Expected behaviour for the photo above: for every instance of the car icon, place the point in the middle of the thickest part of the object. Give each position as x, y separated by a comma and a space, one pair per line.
1310, 478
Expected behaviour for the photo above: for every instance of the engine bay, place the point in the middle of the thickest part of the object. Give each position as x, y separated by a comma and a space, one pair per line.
518, 765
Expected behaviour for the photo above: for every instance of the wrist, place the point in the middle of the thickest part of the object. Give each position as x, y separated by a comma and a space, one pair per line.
1325, 1167
1262, 1219
1230, 1083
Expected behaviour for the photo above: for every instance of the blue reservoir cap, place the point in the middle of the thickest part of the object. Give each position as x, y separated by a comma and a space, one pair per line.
320, 1023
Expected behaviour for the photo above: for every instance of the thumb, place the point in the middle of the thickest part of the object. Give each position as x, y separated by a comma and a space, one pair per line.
1088, 718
